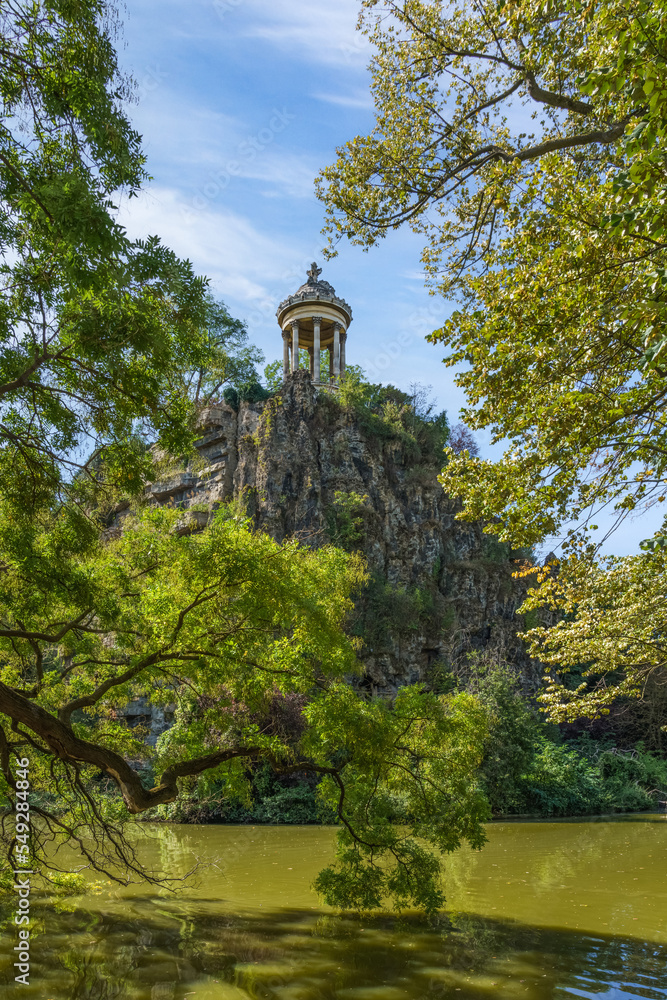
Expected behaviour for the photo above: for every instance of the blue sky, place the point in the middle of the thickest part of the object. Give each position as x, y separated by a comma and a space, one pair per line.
240, 103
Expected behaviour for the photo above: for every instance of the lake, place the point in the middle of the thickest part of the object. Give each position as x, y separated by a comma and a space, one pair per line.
546, 910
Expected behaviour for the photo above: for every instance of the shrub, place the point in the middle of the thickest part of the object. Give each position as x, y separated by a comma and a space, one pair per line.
246, 392
386, 412
343, 519
386, 611
528, 768
560, 782
274, 800
514, 729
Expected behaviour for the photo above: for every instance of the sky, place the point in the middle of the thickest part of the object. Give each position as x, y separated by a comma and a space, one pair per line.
240, 103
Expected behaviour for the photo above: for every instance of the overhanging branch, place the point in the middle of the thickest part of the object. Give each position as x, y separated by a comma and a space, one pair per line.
62, 742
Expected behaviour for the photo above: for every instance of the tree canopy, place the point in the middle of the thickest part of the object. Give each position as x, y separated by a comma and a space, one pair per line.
94, 327
222, 622
526, 143
108, 345
229, 359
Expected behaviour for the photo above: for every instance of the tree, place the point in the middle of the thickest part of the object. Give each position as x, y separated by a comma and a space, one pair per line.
462, 439
273, 376
106, 346
550, 232
610, 636
229, 360
222, 621
95, 329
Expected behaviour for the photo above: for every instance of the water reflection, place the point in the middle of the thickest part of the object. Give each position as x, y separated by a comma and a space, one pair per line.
544, 911
164, 951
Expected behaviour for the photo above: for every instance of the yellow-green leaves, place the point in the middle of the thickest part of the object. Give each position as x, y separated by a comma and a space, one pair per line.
407, 792
527, 143
611, 634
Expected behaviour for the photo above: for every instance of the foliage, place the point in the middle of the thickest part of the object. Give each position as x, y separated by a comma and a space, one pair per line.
610, 634
528, 768
385, 610
343, 519
560, 782
411, 783
289, 804
388, 413
563, 781
229, 359
514, 729
248, 392
633, 780
221, 622
273, 799
273, 376
226, 615
95, 329
550, 231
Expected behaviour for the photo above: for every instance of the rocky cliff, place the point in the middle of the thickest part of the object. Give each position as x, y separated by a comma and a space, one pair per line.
306, 466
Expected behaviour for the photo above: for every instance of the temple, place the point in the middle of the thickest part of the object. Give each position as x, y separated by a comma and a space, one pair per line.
316, 320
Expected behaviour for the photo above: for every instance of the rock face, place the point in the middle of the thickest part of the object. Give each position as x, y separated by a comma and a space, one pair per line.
153, 719
307, 467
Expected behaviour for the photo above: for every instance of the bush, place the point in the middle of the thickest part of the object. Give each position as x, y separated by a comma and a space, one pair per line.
274, 800
560, 782
344, 520
289, 805
386, 612
514, 731
246, 392
528, 768
388, 413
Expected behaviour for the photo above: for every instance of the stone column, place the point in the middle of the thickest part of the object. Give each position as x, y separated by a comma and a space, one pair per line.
286, 340
311, 360
317, 322
336, 350
343, 341
295, 345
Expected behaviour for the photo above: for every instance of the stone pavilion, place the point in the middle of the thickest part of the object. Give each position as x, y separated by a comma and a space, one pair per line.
315, 318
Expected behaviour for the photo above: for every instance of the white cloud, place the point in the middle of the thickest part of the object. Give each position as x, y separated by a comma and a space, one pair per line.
212, 148
361, 100
288, 174
322, 33
184, 131
243, 263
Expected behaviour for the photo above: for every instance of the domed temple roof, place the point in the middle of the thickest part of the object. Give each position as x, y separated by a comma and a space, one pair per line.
314, 285
314, 290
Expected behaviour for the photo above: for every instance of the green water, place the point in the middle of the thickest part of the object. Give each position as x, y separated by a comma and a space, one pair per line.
545, 910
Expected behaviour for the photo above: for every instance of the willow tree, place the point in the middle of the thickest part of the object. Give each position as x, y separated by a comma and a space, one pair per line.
526, 143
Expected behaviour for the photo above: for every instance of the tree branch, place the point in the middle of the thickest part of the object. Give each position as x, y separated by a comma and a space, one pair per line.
555, 100
44, 636
62, 742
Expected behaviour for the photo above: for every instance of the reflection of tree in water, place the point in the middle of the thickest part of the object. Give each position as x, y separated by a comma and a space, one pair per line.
163, 949
91, 979
558, 852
